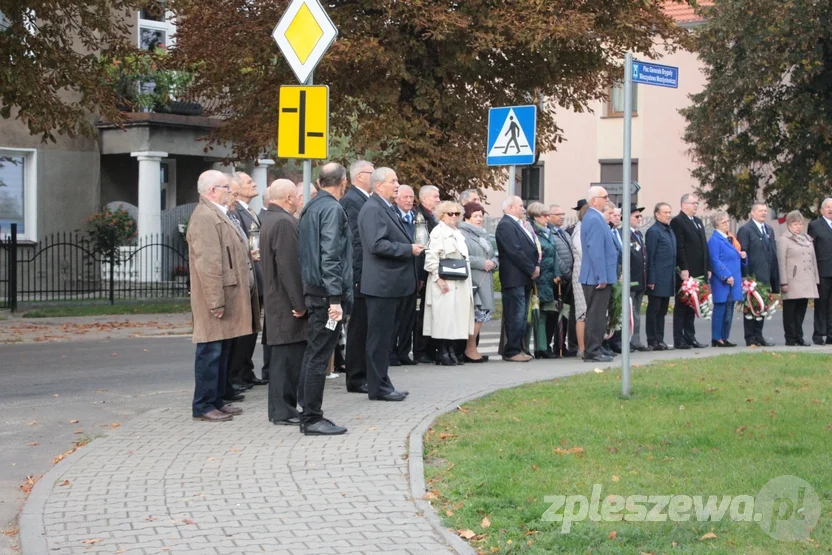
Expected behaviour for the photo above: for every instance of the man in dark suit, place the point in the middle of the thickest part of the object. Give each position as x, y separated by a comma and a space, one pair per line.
756, 238
286, 313
353, 201
406, 312
638, 273
820, 231
692, 259
519, 266
661, 274
423, 349
599, 271
264, 371
388, 276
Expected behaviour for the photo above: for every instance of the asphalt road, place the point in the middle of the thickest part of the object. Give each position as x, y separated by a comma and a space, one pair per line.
102, 384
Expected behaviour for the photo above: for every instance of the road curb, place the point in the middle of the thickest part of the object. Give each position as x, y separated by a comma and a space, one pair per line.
416, 467
30, 522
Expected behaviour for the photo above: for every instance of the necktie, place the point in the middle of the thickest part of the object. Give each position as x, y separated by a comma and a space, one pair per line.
254, 217
408, 218
638, 238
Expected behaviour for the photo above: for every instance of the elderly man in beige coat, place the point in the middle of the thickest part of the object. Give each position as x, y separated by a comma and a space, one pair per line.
221, 299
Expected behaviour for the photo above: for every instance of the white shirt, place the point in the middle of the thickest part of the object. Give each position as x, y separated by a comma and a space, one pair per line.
365, 193
220, 206
244, 204
828, 222
761, 227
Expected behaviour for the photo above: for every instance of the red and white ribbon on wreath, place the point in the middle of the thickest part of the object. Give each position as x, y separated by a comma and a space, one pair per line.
749, 287
691, 287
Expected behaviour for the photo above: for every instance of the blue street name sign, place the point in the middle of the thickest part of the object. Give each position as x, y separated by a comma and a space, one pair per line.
655, 74
511, 136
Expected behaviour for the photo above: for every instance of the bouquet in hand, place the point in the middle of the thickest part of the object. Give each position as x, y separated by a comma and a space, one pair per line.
759, 303
696, 293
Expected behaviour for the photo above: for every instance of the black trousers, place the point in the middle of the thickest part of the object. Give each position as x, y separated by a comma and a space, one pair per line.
320, 347
794, 312
283, 387
422, 344
405, 325
683, 323
654, 319
753, 330
267, 352
597, 301
357, 344
823, 311
553, 338
240, 364
381, 316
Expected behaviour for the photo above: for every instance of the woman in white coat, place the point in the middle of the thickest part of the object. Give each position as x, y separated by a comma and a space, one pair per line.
449, 304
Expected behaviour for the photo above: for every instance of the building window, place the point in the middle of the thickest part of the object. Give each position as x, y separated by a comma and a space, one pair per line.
612, 176
156, 27
18, 193
615, 105
531, 188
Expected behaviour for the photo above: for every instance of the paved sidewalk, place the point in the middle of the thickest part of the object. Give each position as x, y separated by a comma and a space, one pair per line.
166, 484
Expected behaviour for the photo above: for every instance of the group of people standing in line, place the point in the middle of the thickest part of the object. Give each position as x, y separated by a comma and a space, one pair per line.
406, 277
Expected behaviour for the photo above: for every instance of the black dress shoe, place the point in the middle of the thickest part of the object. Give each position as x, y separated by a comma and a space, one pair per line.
294, 421
727, 343
615, 348
407, 361
258, 381
802, 342
640, 348
818, 341
360, 389
681, 345
424, 359
480, 360
606, 352
395, 362
395, 396
234, 397
697, 345
765, 343
659, 346
599, 358
245, 386
570, 353
323, 427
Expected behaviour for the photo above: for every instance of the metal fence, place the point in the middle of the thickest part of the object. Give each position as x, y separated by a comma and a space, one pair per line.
66, 267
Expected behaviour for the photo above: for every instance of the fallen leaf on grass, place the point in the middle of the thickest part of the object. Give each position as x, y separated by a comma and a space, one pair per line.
443, 435
64, 483
91, 541
466, 534
616, 479
485, 522
531, 532
509, 542
534, 467
740, 429
430, 495
462, 409
612, 535
599, 371
571, 451
449, 512
708, 536
114, 425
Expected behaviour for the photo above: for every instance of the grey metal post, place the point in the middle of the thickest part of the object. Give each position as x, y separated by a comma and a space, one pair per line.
307, 166
512, 179
625, 221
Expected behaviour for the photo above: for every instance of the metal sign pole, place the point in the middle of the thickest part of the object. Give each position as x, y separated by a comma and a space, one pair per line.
307, 165
512, 179
625, 226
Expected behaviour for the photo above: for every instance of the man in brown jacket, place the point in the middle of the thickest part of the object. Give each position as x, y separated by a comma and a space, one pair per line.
221, 299
283, 295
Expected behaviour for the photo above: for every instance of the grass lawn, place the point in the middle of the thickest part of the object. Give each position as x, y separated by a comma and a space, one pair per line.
711, 426
56, 311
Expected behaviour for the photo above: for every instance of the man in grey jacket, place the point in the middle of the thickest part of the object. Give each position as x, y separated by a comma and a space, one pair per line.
326, 268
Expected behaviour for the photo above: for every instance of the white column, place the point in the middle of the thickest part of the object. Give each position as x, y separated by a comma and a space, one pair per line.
149, 264
150, 192
260, 175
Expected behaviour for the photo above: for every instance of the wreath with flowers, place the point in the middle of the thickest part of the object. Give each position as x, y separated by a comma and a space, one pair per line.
696, 294
760, 303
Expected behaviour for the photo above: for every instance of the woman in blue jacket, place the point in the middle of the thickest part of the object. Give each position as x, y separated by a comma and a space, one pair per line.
727, 260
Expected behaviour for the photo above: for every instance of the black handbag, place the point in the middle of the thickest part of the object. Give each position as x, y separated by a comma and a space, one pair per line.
453, 269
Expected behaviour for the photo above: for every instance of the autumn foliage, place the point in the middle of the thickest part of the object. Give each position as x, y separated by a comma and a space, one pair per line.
412, 81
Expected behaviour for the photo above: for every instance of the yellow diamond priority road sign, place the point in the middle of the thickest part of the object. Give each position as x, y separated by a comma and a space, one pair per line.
303, 122
304, 34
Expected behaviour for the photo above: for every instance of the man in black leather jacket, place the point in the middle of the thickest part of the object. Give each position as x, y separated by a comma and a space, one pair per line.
325, 247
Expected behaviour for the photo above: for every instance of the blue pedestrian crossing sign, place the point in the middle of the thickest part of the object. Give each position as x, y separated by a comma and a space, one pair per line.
511, 136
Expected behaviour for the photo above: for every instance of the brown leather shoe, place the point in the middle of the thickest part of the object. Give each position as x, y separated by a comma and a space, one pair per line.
214, 416
520, 357
228, 409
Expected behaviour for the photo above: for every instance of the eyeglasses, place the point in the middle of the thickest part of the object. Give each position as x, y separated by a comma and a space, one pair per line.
359, 173
545, 215
637, 216
453, 213
696, 203
226, 187
559, 214
605, 196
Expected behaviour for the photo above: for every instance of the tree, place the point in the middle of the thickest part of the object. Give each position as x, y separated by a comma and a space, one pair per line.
52, 77
762, 127
414, 80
